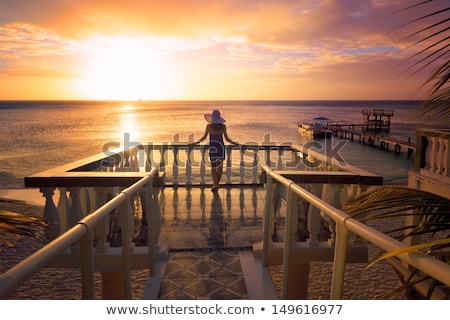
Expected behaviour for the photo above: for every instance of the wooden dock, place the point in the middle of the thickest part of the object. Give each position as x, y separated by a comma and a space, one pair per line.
372, 139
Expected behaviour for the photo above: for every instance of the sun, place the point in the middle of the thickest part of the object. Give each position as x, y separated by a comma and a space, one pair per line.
126, 69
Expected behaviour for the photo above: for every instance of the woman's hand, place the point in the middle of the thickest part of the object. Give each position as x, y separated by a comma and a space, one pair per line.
193, 143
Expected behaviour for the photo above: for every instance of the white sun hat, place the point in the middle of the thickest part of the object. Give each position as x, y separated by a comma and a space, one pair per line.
214, 117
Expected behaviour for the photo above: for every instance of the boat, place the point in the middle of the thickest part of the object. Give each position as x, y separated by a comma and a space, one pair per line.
317, 128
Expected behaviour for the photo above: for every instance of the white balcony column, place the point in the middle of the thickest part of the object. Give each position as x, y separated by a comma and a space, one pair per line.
255, 204
154, 217
280, 159
188, 166
255, 166
289, 242
92, 199
85, 201
203, 150
50, 215
163, 160
102, 228
116, 285
335, 195
314, 218
63, 208
228, 169
75, 212
295, 159
268, 162
357, 189
269, 217
433, 154
440, 156
148, 157
134, 159
175, 165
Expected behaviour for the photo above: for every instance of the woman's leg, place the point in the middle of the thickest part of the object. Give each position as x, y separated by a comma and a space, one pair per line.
219, 170
213, 173
216, 172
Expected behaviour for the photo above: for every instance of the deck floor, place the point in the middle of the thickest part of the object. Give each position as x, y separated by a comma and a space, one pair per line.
207, 235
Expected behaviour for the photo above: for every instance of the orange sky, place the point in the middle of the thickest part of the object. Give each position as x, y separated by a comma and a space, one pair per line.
203, 49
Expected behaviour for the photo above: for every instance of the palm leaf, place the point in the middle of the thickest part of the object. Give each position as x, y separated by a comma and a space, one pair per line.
431, 212
14, 225
429, 245
435, 110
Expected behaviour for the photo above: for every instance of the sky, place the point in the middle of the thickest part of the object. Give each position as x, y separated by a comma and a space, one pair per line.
209, 50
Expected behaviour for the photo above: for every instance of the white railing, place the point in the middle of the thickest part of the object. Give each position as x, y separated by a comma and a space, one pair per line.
86, 184
82, 235
187, 164
292, 251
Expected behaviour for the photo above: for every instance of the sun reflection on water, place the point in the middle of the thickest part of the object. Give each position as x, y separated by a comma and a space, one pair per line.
129, 123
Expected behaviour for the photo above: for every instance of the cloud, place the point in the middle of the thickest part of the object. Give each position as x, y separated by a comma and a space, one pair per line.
21, 39
32, 50
270, 39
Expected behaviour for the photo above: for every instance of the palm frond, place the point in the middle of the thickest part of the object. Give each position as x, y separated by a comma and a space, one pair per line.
435, 109
394, 199
14, 225
428, 245
432, 212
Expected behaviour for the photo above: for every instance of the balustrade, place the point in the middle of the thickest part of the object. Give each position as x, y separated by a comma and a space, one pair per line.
62, 253
295, 255
190, 162
90, 184
432, 162
433, 155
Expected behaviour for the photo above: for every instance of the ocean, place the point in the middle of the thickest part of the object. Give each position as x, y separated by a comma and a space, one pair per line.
39, 135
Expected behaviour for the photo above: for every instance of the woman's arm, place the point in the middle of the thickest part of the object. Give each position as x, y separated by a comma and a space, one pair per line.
225, 134
204, 135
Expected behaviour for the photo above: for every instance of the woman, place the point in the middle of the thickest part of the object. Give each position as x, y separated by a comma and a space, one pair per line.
216, 130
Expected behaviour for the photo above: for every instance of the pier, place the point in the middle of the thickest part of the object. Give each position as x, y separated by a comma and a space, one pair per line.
372, 139
376, 121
